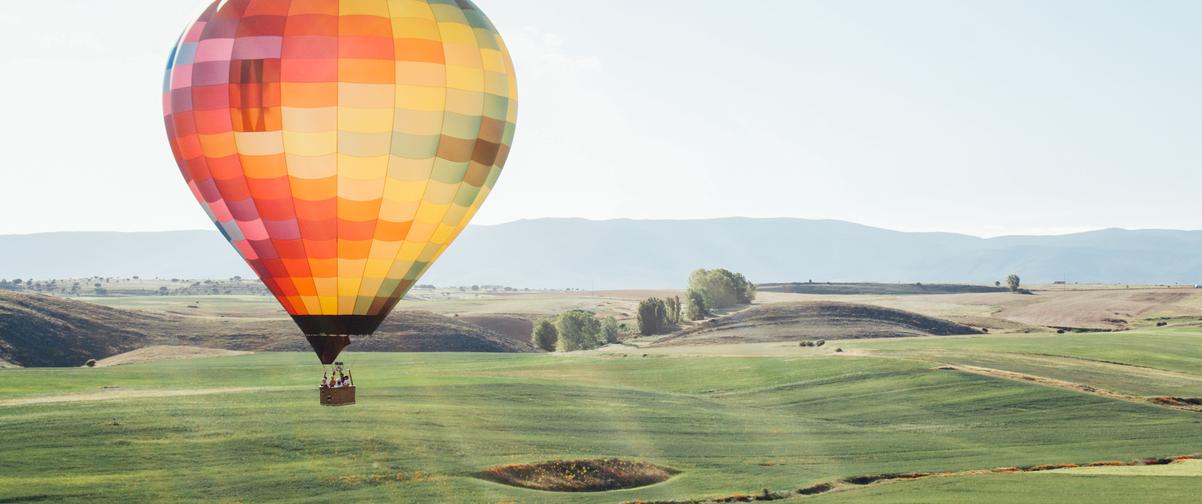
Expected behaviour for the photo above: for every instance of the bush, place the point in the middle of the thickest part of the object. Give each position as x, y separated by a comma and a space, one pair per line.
545, 335
611, 332
696, 308
721, 288
90, 363
653, 317
578, 330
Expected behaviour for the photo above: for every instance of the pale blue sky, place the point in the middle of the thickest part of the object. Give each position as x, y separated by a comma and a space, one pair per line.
982, 117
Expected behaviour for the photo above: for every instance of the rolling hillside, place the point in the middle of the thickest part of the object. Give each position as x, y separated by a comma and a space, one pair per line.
38, 331
619, 254
814, 320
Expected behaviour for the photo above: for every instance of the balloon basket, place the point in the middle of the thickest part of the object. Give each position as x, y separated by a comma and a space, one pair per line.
341, 396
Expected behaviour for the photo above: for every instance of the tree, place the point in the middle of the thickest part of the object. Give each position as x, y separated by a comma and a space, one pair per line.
721, 288
672, 305
696, 309
1013, 282
578, 330
745, 290
997, 284
653, 317
611, 332
545, 335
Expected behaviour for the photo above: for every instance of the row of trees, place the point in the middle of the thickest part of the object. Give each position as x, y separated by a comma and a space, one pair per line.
659, 316
582, 330
708, 290
576, 330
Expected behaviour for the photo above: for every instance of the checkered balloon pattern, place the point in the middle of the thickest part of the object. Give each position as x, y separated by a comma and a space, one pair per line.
340, 145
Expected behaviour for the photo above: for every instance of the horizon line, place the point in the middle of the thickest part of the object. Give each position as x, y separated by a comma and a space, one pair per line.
695, 219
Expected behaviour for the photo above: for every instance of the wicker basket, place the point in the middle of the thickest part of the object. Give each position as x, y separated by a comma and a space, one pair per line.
341, 396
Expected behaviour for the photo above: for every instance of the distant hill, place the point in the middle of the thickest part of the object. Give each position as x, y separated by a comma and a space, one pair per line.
812, 321
39, 331
617, 254
893, 289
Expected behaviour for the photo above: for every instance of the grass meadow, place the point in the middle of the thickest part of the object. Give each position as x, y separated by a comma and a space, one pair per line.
248, 428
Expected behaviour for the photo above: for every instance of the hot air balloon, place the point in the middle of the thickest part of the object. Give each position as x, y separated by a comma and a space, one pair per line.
340, 146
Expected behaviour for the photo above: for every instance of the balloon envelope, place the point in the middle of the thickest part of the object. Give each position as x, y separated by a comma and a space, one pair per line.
340, 145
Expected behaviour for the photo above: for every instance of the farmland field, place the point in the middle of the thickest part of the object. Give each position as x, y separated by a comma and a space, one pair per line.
735, 419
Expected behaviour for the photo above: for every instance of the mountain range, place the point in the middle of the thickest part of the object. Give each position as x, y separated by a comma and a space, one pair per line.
613, 254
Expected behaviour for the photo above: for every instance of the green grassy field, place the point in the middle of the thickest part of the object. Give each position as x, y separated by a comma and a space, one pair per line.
248, 429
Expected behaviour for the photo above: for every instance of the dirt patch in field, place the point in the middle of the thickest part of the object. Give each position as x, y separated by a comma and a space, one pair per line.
1112, 309
1183, 402
597, 475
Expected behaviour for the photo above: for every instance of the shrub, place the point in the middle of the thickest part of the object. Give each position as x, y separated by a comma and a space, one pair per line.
653, 317
545, 335
611, 332
578, 330
696, 308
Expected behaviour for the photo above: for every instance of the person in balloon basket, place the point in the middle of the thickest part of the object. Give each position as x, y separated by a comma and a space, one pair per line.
337, 380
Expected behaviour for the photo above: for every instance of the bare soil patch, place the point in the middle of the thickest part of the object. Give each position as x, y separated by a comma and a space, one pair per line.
1180, 402
597, 475
1113, 309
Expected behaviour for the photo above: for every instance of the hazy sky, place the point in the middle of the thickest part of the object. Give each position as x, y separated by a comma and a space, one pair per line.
983, 117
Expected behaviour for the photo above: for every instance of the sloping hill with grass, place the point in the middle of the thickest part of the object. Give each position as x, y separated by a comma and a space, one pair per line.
814, 320
872, 288
46, 331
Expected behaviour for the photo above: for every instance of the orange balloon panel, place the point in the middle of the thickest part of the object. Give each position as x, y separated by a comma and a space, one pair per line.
340, 145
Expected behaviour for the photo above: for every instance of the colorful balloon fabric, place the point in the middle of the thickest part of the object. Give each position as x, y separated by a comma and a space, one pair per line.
340, 145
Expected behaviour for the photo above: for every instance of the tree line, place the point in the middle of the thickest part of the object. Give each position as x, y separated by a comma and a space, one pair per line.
708, 290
